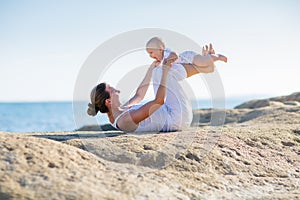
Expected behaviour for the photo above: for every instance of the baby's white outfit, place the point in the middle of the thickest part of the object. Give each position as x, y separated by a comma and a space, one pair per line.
185, 57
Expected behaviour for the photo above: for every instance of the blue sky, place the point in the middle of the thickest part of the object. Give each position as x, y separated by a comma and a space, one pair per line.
45, 43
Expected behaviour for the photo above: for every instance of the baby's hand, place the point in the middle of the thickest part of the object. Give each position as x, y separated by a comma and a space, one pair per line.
168, 62
172, 57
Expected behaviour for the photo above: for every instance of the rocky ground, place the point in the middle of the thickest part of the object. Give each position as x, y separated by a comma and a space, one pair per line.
254, 155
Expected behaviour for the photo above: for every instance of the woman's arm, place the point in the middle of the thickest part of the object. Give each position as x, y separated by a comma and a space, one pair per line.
130, 120
143, 87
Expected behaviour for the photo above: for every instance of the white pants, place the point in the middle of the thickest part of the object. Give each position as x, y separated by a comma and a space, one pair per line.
186, 57
176, 113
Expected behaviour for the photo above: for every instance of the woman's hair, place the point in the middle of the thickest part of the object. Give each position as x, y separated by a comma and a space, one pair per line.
98, 97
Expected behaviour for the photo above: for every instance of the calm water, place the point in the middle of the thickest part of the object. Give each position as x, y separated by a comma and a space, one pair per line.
33, 117
54, 116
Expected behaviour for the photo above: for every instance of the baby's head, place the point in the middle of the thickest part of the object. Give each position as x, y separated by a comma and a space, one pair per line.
155, 47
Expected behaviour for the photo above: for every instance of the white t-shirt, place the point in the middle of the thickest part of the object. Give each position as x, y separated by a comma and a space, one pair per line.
166, 54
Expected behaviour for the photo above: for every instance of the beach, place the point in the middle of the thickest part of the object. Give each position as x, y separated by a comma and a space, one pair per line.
254, 155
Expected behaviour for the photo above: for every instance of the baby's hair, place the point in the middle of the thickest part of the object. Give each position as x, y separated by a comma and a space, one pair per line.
155, 42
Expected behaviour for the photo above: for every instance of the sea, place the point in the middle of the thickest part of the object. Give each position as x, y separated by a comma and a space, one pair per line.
62, 116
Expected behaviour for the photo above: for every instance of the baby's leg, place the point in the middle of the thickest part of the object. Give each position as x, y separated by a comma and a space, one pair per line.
203, 61
219, 57
193, 70
195, 64
207, 60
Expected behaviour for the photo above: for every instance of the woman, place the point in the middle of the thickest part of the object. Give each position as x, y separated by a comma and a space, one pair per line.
168, 111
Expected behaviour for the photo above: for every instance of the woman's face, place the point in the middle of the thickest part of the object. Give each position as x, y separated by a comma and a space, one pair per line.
113, 93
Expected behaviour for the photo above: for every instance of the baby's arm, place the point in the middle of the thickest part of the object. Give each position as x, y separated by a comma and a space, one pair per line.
172, 57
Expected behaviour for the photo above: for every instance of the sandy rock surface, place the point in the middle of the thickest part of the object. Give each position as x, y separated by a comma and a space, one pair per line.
292, 99
254, 155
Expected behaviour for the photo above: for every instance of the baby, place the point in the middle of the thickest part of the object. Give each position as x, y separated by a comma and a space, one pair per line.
156, 50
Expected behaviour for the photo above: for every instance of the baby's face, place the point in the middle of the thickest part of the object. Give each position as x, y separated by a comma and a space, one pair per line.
155, 53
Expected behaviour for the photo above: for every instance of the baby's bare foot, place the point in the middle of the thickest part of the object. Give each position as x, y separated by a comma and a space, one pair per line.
222, 58
211, 49
205, 50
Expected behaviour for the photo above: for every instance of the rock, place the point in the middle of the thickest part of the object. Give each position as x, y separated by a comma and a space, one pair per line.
252, 115
254, 104
292, 97
104, 127
36, 168
254, 159
255, 155
275, 104
292, 103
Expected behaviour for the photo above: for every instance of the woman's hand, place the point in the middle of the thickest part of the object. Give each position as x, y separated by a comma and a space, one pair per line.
168, 63
154, 64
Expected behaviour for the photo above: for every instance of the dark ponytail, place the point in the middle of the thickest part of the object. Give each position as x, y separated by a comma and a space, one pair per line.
98, 97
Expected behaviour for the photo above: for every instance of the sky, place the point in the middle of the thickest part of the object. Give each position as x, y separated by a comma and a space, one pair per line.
44, 44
